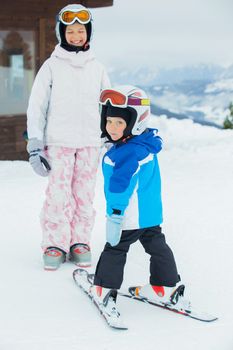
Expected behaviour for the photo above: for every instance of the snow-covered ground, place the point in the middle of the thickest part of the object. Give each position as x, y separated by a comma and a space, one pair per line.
45, 310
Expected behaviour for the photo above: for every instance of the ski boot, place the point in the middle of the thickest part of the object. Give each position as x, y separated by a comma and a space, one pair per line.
162, 295
53, 257
80, 254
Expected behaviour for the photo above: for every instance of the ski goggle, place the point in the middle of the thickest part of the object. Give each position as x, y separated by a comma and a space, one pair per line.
69, 17
117, 99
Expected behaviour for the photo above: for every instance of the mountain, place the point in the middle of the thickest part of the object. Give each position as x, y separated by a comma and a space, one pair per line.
228, 72
149, 75
201, 92
197, 117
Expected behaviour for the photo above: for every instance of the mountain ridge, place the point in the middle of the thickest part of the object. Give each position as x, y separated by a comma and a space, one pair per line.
200, 92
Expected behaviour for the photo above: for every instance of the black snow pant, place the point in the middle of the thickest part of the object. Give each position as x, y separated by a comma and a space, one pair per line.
110, 268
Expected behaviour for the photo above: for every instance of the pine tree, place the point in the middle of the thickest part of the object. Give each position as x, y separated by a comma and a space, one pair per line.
228, 122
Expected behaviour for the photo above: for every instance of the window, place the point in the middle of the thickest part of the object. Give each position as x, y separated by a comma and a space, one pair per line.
17, 70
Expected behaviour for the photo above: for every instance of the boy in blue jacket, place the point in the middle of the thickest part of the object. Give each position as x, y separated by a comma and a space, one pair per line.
133, 196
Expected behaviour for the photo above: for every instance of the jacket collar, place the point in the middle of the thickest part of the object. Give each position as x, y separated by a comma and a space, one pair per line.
75, 59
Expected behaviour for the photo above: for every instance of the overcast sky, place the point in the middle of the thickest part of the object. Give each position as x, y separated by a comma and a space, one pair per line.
164, 32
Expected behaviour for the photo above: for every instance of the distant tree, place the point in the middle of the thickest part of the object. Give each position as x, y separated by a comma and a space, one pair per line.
228, 122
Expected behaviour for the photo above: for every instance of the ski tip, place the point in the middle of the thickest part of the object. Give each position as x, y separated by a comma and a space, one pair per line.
80, 272
204, 319
211, 319
201, 316
120, 328
117, 325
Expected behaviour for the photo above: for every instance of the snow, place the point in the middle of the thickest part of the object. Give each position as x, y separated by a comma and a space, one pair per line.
222, 85
46, 310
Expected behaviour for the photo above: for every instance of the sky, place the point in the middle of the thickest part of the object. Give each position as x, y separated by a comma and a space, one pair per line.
164, 33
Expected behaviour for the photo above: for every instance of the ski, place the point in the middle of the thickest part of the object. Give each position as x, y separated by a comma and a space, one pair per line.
176, 308
84, 281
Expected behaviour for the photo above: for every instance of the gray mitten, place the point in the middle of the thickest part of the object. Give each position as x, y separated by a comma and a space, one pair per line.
37, 157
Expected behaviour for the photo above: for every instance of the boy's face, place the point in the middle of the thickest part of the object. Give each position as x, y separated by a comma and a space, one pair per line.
115, 127
76, 34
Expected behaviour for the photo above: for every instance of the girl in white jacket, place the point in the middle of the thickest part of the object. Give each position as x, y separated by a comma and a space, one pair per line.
63, 124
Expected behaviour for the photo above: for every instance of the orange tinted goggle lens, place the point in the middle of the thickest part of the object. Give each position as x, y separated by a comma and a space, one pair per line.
116, 98
69, 16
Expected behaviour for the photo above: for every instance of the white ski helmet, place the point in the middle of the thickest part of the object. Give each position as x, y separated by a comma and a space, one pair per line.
131, 98
81, 14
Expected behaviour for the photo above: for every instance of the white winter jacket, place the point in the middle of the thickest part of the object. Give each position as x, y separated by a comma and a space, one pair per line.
63, 107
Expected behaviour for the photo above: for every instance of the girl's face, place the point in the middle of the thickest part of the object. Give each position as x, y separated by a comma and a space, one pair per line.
115, 127
76, 34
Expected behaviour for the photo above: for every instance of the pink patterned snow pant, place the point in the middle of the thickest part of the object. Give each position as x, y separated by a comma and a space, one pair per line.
68, 215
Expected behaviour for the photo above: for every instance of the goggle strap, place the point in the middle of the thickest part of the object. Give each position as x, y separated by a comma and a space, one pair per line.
138, 101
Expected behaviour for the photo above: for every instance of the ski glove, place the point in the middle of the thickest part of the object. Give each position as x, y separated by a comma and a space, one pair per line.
113, 229
37, 157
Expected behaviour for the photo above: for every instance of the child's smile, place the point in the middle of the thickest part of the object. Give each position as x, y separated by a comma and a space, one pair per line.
76, 34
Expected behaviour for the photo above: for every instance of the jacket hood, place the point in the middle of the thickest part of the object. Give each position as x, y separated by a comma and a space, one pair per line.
76, 60
148, 139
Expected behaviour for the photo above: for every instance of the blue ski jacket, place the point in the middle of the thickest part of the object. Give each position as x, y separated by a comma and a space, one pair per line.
132, 181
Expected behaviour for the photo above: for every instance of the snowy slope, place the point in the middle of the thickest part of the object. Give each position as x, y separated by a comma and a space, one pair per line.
45, 310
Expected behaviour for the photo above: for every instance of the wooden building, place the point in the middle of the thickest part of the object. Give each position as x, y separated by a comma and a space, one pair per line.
27, 38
